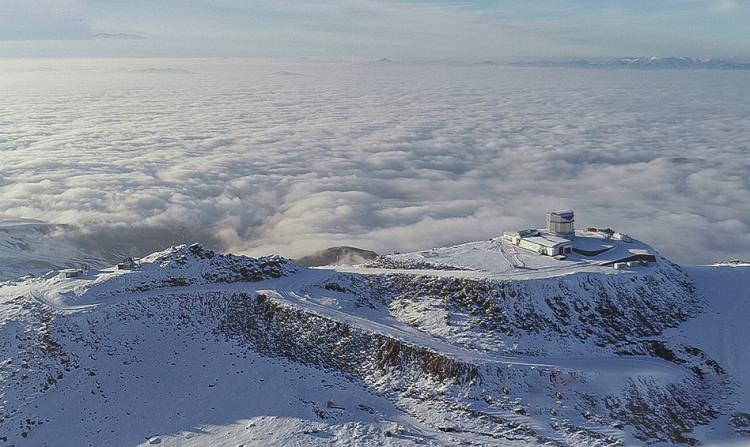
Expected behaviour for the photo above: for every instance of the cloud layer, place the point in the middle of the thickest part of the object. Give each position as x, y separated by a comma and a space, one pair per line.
384, 157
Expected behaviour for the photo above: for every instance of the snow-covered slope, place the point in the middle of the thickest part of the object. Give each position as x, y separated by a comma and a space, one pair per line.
479, 345
180, 266
723, 330
33, 247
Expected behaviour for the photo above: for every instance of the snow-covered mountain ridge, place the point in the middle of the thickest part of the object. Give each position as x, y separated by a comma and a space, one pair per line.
197, 348
33, 247
648, 63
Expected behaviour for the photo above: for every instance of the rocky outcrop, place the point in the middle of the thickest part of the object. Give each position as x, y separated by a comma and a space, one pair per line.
605, 309
662, 413
278, 330
192, 265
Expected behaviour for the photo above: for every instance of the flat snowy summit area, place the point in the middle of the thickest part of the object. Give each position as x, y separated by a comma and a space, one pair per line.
484, 343
499, 258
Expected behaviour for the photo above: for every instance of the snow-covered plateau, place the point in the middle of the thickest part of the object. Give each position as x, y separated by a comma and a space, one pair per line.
476, 344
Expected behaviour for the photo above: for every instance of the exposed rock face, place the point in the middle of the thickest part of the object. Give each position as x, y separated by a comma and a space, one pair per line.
275, 329
386, 262
741, 423
603, 309
663, 413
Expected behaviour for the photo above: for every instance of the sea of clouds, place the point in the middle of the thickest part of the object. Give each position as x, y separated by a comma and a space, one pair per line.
288, 157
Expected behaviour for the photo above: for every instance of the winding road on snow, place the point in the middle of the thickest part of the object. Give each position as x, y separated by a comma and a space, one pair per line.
290, 290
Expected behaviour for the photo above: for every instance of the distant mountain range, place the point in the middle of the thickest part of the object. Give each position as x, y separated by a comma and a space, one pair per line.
684, 63
644, 63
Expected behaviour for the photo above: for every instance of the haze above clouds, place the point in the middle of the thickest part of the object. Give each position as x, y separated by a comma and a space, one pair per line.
139, 154
374, 28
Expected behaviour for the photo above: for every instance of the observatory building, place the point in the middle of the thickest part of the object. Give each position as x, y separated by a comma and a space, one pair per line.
540, 242
555, 240
560, 223
559, 237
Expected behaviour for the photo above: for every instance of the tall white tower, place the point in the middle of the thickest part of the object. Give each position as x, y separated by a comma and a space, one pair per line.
560, 223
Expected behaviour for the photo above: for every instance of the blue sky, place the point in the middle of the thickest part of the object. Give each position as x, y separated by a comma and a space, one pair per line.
374, 28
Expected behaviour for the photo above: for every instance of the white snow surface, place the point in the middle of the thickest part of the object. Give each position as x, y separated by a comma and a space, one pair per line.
139, 357
499, 259
723, 329
29, 246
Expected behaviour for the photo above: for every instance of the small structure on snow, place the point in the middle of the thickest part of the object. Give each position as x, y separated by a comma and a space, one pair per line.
127, 264
609, 233
621, 237
71, 273
635, 257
